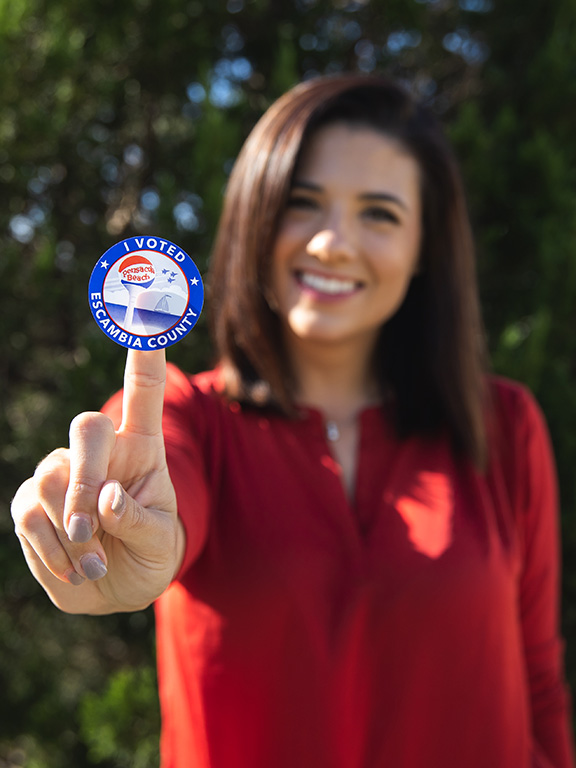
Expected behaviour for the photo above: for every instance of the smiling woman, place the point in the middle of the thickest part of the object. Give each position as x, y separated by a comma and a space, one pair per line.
348, 243
430, 354
348, 526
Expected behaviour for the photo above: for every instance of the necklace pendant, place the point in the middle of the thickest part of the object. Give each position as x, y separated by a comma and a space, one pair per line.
332, 431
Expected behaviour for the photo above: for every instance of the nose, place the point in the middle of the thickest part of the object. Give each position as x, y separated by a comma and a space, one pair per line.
334, 241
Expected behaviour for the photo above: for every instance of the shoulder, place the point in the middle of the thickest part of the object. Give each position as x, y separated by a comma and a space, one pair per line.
509, 393
513, 406
192, 400
181, 386
519, 440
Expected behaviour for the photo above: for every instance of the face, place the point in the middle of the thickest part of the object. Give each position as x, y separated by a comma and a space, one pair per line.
348, 243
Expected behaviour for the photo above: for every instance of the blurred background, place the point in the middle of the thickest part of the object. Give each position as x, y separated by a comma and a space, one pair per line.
121, 118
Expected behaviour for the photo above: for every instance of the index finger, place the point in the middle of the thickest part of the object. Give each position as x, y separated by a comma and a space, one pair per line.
143, 398
92, 439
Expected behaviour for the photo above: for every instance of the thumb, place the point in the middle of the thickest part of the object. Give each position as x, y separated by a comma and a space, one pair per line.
144, 531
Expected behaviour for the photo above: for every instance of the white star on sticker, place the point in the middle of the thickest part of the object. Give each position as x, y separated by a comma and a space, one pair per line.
194, 281
104, 264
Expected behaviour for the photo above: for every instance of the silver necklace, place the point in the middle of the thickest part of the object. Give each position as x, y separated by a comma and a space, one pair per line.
332, 431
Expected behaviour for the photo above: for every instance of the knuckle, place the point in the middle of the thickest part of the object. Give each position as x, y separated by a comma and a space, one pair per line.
58, 459
48, 550
51, 475
22, 498
146, 379
135, 515
60, 456
86, 486
29, 520
50, 484
51, 481
91, 422
54, 556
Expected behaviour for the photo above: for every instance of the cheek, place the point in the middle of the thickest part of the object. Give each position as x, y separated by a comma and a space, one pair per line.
289, 243
291, 237
393, 273
283, 246
400, 261
279, 275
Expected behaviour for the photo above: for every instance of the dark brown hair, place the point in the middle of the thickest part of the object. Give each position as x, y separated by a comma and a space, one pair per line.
431, 352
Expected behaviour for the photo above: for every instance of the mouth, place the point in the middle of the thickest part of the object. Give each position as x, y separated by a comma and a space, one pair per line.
328, 286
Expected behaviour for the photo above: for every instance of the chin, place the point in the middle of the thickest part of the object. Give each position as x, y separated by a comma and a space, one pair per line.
317, 337
317, 333
302, 326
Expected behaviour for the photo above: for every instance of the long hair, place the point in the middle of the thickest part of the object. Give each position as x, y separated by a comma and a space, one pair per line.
430, 354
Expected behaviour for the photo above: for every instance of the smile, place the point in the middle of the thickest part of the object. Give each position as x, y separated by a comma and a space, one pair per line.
333, 286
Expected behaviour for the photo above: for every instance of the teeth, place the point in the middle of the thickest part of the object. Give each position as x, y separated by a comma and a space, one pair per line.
327, 284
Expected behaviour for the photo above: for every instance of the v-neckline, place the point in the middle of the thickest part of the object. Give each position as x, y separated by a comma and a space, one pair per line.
364, 422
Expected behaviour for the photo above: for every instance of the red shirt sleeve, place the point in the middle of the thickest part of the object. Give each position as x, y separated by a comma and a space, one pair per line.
537, 516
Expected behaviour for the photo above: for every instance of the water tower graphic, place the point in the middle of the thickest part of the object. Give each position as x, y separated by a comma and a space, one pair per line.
136, 274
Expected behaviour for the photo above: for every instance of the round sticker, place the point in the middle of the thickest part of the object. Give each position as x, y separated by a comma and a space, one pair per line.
146, 293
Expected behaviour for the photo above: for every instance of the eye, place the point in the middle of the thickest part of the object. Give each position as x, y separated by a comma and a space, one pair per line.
301, 202
378, 213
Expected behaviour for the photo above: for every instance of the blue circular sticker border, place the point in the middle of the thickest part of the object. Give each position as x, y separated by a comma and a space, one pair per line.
160, 257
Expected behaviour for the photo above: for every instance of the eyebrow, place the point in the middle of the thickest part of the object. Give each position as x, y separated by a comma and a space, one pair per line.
366, 196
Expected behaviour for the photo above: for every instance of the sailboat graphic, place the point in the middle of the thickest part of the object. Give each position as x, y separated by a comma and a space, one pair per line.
162, 305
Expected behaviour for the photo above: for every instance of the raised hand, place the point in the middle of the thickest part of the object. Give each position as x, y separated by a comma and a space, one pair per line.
97, 522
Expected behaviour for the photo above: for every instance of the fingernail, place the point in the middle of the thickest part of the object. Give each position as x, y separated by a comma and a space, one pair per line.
80, 529
118, 502
74, 578
93, 566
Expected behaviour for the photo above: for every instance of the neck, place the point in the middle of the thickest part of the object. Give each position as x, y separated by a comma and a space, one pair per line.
337, 381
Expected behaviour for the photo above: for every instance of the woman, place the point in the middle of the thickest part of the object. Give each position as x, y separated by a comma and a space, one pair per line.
353, 542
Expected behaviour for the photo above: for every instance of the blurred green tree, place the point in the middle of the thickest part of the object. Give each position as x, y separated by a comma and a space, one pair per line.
125, 118
517, 146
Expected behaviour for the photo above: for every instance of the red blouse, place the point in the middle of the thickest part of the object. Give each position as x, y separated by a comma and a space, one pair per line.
414, 628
